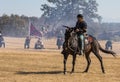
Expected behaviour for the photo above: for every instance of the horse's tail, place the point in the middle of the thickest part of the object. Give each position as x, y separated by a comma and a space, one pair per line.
107, 51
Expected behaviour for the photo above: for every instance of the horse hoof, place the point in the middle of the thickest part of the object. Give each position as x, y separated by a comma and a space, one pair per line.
103, 72
84, 72
71, 72
65, 73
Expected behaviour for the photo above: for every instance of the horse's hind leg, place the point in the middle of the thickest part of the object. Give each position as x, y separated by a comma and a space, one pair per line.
100, 59
65, 60
73, 63
87, 55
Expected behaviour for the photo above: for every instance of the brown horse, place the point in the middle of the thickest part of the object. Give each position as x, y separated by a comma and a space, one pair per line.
70, 47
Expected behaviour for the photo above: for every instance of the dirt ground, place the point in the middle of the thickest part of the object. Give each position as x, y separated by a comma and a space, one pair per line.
20, 65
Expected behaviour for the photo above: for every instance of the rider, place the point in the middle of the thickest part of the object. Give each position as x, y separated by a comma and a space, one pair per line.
80, 28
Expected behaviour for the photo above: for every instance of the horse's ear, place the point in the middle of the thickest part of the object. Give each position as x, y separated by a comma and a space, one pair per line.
67, 29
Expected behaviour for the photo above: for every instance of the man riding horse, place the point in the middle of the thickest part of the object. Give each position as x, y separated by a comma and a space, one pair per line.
74, 39
80, 28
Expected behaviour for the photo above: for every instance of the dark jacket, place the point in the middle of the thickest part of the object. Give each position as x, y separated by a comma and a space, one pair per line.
27, 41
82, 26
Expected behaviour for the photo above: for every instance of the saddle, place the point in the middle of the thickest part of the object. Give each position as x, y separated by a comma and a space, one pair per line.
88, 39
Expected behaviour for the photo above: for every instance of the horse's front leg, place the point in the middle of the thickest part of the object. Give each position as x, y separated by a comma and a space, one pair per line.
73, 63
87, 56
65, 60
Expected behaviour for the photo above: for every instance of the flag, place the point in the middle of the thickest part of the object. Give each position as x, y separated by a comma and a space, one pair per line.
34, 31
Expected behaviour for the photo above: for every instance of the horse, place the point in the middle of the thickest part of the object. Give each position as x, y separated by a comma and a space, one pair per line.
70, 47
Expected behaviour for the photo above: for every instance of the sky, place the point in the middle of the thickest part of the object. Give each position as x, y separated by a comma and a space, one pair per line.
108, 9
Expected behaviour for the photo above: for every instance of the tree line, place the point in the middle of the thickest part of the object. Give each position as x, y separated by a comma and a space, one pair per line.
55, 14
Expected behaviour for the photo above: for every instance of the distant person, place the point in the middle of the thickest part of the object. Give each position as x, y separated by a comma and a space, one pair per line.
27, 43
108, 45
39, 44
2, 43
60, 40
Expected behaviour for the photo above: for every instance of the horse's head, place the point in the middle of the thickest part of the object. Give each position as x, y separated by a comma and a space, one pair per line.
68, 32
70, 39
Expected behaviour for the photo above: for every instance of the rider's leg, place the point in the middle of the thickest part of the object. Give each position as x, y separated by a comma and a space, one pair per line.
82, 43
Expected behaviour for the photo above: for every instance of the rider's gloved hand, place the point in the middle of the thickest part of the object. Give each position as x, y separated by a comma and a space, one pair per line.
77, 30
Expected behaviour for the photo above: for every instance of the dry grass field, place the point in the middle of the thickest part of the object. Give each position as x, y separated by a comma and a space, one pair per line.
20, 65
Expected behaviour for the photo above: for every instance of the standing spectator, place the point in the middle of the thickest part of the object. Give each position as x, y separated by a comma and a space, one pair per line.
60, 39
27, 43
2, 43
108, 45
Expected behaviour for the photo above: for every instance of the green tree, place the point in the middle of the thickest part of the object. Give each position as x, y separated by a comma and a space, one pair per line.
68, 9
13, 25
60, 12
